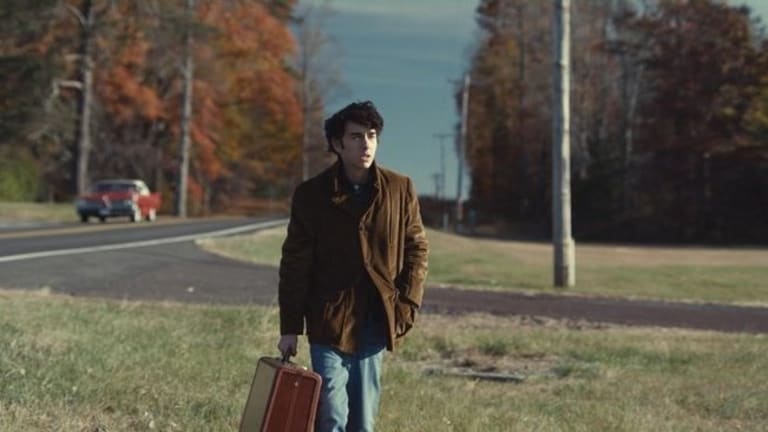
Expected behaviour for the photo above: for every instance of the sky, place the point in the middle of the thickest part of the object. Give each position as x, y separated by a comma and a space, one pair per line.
402, 55
405, 56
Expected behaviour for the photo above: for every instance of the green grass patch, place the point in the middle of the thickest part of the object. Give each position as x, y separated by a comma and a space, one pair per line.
262, 247
84, 365
37, 212
706, 275
98, 365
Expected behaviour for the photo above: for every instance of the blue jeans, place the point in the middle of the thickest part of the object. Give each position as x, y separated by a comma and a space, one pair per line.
349, 397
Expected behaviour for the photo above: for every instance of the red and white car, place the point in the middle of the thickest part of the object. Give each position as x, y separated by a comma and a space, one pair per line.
118, 197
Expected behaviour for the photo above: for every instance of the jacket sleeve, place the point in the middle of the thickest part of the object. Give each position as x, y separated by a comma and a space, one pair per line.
411, 278
295, 268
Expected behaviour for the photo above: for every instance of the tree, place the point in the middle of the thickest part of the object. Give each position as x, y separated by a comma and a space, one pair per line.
704, 70
317, 63
254, 105
670, 104
508, 140
32, 119
246, 120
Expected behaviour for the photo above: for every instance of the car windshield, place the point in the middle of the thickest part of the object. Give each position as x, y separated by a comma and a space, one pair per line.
114, 187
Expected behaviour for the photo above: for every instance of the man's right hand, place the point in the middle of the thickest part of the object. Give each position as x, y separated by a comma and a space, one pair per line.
288, 345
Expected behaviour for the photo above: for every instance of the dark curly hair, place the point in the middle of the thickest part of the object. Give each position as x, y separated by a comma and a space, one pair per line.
362, 113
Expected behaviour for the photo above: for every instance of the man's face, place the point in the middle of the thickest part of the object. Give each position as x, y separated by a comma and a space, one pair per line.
359, 146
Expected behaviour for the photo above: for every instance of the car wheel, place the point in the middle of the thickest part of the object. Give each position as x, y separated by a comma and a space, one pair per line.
102, 219
84, 218
151, 215
136, 216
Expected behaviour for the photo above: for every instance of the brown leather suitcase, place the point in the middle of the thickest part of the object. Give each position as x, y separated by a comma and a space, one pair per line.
283, 398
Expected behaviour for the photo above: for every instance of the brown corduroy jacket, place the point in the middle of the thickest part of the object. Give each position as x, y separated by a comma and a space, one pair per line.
330, 244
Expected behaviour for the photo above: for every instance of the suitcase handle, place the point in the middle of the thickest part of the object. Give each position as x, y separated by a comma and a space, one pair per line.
286, 360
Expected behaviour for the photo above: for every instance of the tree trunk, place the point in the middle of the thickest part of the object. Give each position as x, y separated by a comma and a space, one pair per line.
630, 97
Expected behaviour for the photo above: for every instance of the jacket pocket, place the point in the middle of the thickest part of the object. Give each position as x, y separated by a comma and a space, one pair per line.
335, 311
405, 316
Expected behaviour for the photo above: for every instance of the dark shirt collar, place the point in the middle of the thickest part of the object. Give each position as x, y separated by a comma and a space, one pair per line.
354, 188
343, 184
342, 187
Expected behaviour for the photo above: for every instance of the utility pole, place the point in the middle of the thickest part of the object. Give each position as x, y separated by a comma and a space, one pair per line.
442, 170
462, 146
442, 194
86, 17
564, 261
436, 179
442, 137
186, 115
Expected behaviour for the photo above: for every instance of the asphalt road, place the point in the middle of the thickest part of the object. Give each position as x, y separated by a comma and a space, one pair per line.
160, 261
135, 261
69, 236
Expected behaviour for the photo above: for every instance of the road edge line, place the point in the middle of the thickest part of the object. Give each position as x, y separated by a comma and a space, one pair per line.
143, 243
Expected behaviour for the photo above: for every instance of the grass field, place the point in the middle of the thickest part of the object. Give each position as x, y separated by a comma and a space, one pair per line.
674, 273
97, 365
23, 212
90, 365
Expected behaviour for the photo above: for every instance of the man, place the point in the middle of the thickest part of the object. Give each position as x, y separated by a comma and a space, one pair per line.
352, 270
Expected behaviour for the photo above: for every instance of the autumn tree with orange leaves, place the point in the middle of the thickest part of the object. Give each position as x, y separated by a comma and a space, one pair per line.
246, 124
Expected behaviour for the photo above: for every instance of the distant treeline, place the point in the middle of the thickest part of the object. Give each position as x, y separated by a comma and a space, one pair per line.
247, 109
669, 122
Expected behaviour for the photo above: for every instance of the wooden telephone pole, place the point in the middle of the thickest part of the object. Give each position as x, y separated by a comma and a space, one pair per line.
462, 148
186, 116
441, 195
564, 262
85, 101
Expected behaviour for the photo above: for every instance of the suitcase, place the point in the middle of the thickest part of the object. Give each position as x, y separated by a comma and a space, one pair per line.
283, 398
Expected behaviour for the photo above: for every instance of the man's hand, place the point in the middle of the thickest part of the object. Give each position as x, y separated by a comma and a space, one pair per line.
288, 345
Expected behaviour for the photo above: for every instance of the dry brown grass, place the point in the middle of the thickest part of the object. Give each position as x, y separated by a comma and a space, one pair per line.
535, 253
72, 364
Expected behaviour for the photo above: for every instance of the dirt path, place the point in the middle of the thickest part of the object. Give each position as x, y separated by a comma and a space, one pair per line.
607, 310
